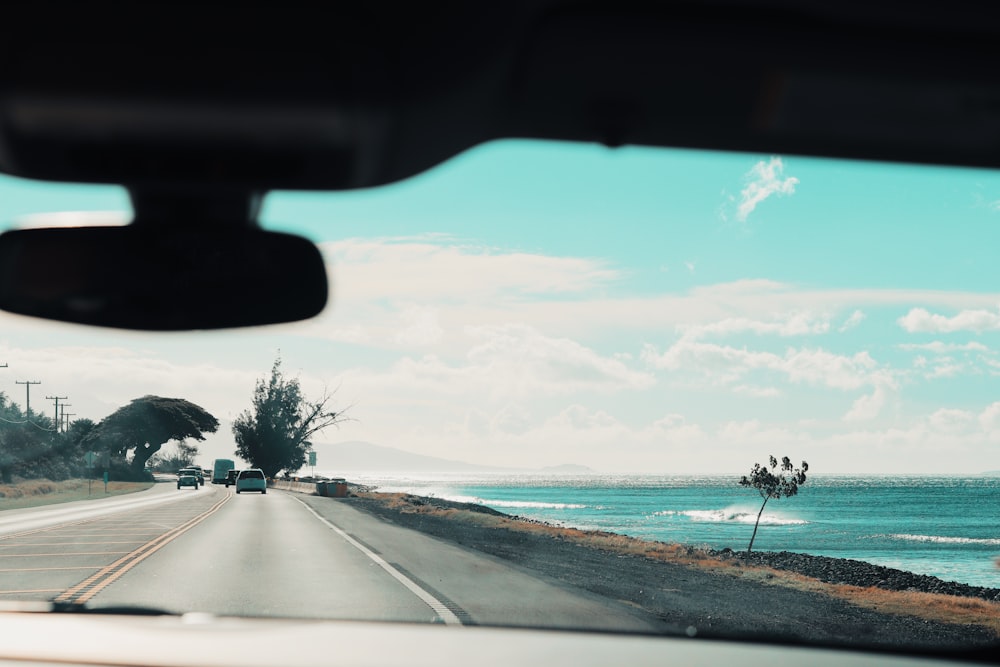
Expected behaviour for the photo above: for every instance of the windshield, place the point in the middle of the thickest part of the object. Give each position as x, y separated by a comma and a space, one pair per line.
557, 385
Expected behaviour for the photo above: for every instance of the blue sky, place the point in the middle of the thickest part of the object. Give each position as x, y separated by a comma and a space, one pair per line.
636, 309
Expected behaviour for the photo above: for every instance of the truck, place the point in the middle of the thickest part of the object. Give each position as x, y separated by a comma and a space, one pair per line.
221, 469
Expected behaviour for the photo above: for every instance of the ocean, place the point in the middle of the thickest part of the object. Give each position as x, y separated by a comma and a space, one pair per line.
948, 527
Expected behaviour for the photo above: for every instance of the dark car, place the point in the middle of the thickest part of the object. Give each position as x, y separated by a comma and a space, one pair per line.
231, 477
187, 478
196, 472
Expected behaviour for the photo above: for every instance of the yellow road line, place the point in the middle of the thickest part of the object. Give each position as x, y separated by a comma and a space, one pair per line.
95, 583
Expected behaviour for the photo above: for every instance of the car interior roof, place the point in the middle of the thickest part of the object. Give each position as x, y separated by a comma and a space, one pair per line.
261, 97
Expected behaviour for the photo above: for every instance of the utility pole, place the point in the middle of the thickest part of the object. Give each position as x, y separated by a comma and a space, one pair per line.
27, 395
68, 415
55, 416
62, 415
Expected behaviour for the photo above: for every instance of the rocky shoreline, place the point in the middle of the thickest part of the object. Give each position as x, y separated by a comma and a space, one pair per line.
857, 573
737, 597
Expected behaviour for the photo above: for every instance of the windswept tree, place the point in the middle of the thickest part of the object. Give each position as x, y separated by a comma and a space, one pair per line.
146, 424
274, 433
774, 482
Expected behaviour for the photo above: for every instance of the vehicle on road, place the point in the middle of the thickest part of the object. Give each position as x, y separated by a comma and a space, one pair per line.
251, 479
187, 478
196, 472
220, 470
231, 477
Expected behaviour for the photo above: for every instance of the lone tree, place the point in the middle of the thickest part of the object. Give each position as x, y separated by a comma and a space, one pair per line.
775, 483
274, 433
148, 423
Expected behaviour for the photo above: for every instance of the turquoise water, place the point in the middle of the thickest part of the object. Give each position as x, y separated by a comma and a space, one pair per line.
948, 527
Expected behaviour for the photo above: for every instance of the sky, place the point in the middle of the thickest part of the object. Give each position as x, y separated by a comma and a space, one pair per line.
638, 310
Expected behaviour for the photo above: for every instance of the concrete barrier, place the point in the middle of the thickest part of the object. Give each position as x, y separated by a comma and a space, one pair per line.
298, 487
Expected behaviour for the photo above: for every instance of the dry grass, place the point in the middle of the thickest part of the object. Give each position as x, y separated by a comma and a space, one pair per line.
929, 606
36, 492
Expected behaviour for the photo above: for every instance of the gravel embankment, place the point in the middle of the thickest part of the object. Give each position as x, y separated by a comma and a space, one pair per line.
858, 573
703, 600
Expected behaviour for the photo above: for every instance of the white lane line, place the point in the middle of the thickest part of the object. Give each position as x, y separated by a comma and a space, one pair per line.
439, 607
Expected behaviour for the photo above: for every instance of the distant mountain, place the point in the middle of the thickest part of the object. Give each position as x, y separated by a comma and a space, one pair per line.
358, 456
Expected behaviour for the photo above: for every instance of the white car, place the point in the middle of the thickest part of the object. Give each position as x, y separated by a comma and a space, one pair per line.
251, 479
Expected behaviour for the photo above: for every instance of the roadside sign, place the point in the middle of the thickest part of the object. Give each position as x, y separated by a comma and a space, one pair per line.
90, 457
312, 458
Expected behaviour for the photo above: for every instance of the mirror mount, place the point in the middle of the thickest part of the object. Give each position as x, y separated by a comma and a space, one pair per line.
190, 260
215, 207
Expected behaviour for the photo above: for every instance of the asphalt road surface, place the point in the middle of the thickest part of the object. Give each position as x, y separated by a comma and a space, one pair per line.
279, 554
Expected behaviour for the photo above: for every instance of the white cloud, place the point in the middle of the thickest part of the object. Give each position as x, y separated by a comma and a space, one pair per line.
732, 367
792, 324
757, 392
856, 318
867, 407
939, 347
989, 418
815, 367
503, 363
418, 327
396, 269
521, 357
950, 419
763, 180
374, 281
919, 320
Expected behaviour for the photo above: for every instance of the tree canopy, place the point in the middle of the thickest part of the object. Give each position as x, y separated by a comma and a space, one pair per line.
273, 434
26, 444
146, 424
774, 483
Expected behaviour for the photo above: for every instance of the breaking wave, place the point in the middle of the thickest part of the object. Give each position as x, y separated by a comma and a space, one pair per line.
732, 516
510, 504
532, 504
941, 539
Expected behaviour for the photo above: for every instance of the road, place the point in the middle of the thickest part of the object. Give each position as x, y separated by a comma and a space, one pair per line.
280, 554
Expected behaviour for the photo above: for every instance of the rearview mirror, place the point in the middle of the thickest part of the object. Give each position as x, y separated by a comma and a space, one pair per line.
161, 279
